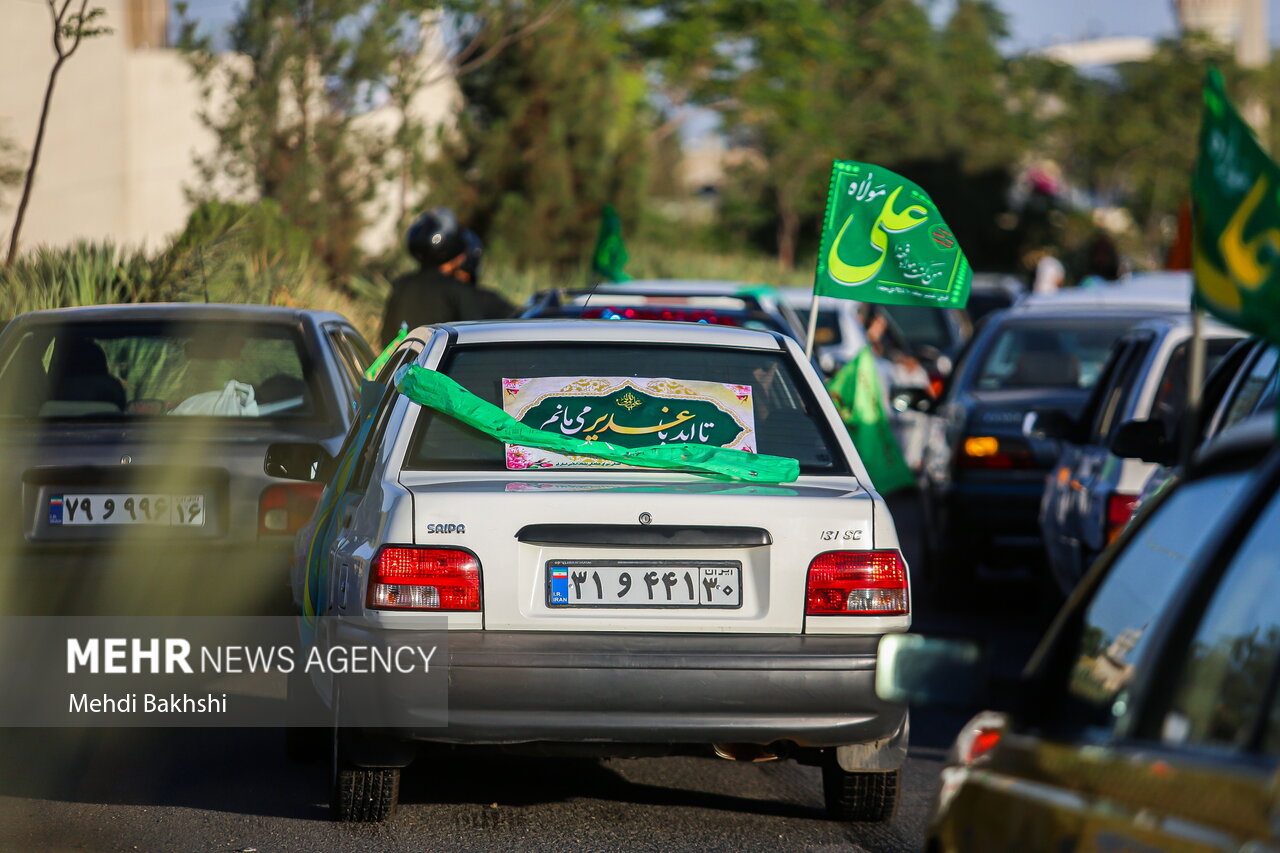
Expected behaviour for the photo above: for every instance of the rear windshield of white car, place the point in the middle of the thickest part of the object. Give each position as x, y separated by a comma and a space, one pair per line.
131, 370
788, 421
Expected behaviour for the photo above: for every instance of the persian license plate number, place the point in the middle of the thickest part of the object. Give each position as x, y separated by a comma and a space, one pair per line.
696, 585
159, 510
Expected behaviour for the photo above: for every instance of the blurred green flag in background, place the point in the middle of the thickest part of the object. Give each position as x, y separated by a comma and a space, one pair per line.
855, 389
610, 256
883, 240
1237, 220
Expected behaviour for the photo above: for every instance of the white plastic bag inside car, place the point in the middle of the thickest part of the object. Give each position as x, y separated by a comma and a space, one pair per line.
234, 400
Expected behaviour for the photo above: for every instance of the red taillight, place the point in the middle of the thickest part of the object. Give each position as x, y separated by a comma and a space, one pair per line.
991, 453
688, 315
984, 740
1119, 510
424, 579
936, 384
286, 507
857, 583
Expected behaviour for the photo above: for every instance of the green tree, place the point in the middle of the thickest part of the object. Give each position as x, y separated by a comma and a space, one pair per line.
552, 131
979, 126
821, 81
299, 78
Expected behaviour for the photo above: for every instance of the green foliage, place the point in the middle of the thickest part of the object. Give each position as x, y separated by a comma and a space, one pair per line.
10, 167
306, 73
553, 130
83, 274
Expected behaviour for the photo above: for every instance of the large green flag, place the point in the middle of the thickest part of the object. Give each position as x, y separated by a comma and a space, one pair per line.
1237, 220
855, 389
610, 255
883, 240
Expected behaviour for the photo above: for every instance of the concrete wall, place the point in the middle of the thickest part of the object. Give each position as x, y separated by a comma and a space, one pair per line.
80, 189
123, 133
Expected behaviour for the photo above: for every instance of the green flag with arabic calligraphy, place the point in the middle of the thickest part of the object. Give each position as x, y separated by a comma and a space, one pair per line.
1237, 220
610, 256
884, 241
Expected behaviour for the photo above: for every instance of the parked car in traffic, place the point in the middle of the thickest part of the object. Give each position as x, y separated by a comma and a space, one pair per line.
775, 596
983, 478
839, 335
1147, 718
1245, 382
1135, 406
133, 439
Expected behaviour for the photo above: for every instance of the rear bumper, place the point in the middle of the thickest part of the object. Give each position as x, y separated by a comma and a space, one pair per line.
994, 513
148, 577
520, 687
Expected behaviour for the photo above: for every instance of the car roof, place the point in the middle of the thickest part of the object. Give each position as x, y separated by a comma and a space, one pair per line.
802, 297
184, 311
607, 331
691, 286
1164, 290
1165, 323
1073, 313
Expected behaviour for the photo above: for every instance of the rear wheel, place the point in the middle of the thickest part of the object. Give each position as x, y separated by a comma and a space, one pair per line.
359, 794
365, 794
859, 797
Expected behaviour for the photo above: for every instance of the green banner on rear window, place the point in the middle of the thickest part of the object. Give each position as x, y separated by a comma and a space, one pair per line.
884, 241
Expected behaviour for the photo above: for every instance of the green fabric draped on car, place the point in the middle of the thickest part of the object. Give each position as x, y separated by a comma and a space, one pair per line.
437, 391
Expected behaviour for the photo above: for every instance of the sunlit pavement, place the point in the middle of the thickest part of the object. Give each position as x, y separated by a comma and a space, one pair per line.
233, 790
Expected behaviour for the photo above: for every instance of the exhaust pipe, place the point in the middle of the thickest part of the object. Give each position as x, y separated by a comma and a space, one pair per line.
745, 752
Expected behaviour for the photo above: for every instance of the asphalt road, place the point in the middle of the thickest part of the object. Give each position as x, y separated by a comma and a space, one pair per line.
233, 790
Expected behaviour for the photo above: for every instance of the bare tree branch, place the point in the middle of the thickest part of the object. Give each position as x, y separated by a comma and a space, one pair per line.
502, 43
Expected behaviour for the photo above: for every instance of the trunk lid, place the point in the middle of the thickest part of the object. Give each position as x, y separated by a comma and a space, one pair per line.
220, 464
641, 552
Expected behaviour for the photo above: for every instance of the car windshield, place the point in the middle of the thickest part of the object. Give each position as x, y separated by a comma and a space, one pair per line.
921, 326
785, 415
118, 370
828, 331
1050, 353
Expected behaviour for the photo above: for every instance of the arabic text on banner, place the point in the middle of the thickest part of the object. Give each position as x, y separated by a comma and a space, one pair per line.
627, 412
884, 241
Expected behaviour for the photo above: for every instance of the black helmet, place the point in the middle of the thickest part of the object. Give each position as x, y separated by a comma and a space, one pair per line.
434, 238
474, 249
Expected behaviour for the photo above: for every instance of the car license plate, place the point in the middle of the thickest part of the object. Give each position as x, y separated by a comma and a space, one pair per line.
151, 509
656, 583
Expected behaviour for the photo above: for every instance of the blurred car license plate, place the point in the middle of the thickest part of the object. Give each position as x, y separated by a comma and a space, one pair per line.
590, 583
153, 509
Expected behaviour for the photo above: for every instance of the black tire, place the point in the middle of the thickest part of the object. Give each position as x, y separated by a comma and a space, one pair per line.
358, 794
859, 797
364, 794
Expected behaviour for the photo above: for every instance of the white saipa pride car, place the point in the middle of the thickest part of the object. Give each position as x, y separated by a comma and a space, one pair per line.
610, 609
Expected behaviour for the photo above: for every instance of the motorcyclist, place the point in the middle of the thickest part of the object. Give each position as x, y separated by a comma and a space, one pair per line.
436, 292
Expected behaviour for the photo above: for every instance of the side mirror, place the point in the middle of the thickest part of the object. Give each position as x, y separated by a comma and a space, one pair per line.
297, 460
1050, 424
929, 671
1145, 440
911, 400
